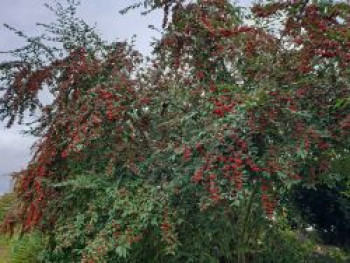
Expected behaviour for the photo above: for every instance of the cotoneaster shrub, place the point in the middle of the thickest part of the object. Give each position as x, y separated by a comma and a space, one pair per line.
183, 157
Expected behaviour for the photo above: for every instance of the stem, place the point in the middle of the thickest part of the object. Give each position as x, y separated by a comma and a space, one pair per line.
242, 244
248, 213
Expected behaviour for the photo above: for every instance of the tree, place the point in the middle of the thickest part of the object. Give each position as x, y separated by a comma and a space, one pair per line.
188, 157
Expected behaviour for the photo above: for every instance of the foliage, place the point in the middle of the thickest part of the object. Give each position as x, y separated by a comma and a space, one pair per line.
18, 248
331, 197
6, 202
186, 156
287, 246
26, 248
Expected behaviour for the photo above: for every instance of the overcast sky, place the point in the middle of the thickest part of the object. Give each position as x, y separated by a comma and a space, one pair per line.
23, 14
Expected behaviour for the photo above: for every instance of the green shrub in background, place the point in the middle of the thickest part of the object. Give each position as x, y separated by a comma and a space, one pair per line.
6, 202
327, 205
26, 248
18, 248
287, 246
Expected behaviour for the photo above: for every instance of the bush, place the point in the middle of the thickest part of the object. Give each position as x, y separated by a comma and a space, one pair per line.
184, 157
327, 205
18, 248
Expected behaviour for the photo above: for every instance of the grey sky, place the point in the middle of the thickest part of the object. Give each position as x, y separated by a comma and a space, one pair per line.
23, 14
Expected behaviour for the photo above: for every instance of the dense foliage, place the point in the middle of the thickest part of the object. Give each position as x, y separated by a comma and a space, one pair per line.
188, 156
333, 197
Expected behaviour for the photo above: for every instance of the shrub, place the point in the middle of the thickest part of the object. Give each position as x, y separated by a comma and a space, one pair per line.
186, 158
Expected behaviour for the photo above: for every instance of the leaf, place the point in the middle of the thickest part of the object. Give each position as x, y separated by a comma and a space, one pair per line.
121, 251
